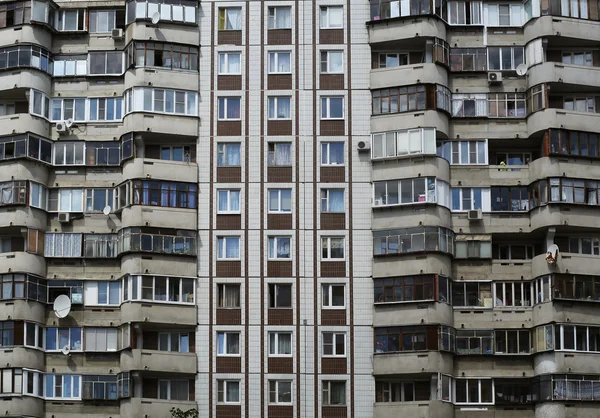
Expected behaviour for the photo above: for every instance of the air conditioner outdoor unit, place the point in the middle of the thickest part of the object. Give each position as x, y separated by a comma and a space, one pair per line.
475, 215
363, 146
116, 33
495, 78
64, 218
61, 127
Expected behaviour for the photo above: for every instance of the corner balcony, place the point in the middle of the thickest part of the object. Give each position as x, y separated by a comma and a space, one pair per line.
27, 34
567, 263
26, 77
415, 312
158, 361
23, 406
563, 166
23, 262
555, 214
406, 264
23, 357
22, 122
565, 119
555, 72
23, 310
23, 215
564, 27
150, 263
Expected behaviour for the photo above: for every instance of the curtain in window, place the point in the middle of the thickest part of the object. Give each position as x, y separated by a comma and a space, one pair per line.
282, 152
283, 18
232, 297
224, 200
233, 392
232, 249
338, 394
233, 17
336, 201
284, 343
233, 153
283, 62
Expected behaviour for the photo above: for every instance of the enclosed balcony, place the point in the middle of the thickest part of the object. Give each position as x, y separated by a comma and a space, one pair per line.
21, 250
20, 115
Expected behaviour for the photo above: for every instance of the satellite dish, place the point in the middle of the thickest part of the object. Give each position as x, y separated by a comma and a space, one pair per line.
62, 306
69, 122
155, 18
66, 350
106, 210
552, 254
521, 69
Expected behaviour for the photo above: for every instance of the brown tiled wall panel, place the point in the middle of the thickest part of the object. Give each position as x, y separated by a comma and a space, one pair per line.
279, 174
229, 222
333, 269
279, 81
281, 411
279, 36
229, 411
229, 82
333, 317
229, 316
334, 412
279, 268
331, 81
229, 269
229, 127
333, 127
333, 221
229, 364
230, 37
281, 317
279, 221
334, 365
229, 174
331, 36
279, 127
281, 365
333, 174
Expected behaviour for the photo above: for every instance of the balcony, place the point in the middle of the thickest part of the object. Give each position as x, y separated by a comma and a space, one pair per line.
156, 76
566, 119
158, 361
405, 75
23, 406
20, 261
23, 122
556, 214
389, 266
564, 27
563, 166
161, 123
407, 216
20, 309
404, 168
157, 216
141, 407
143, 168
565, 311
416, 312
159, 264
567, 263
429, 409
412, 363
549, 72
159, 313
24, 357
27, 77
395, 29
484, 175
165, 32
420, 118
23, 216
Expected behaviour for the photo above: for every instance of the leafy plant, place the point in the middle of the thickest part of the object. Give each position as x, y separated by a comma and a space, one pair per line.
178, 413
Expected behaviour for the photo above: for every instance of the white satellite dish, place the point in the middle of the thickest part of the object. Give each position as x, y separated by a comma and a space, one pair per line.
552, 254
155, 18
62, 306
69, 122
521, 69
106, 210
66, 350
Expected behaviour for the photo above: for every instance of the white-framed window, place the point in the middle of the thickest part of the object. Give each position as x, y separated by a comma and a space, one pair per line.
569, 57
65, 200
280, 295
332, 248
332, 201
106, 63
228, 344
513, 294
280, 108
106, 109
230, 18
280, 344
228, 154
228, 248
38, 196
474, 391
280, 154
404, 142
159, 289
101, 293
505, 57
62, 245
389, 59
174, 11
332, 153
229, 108
228, 391
580, 104
334, 344
505, 14
69, 153
62, 386
11, 381
402, 391
464, 152
469, 105
333, 392
102, 21
465, 13
8, 109
228, 201
280, 62
70, 65
280, 391
178, 342
228, 295
173, 389
280, 248
58, 338
97, 199
411, 191
100, 339
332, 107
280, 200
332, 17
33, 383
70, 20
470, 198
34, 335
230, 63
148, 99
280, 17
334, 295
332, 62
63, 109
39, 104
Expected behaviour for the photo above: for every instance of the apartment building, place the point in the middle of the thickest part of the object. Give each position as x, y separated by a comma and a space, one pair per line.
485, 127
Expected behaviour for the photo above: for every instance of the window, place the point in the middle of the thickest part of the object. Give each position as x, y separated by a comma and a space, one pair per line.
280, 392
13, 193
464, 152
514, 391
334, 296
405, 289
512, 341
11, 381
332, 17
580, 104
106, 63
69, 153
577, 287
100, 245
228, 343
228, 295
106, 109
228, 248
280, 248
230, 18
99, 387
21, 286
396, 339
403, 99
474, 391
280, 344
469, 105
162, 55
230, 63
14, 146
465, 13
280, 200
148, 239
505, 58
65, 200
390, 60
70, 20
10, 109
7, 333
63, 245
174, 390
513, 251
468, 59
228, 201
567, 143
34, 335
98, 199
511, 199
63, 109
101, 293
39, 105
20, 12
101, 339
470, 248
334, 344
410, 191
467, 198
228, 154
280, 154
505, 14
229, 108
332, 248
280, 17
175, 153
542, 289
178, 102
334, 393
175, 11
71, 65
102, 21
477, 294
58, 338
513, 294
279, 108
178, 342
228, 391
280, 295
402, 391
332, 153
474, 342
280, 62
164, 194
62, 386
387, 242
332, 107
159, 289
332, 201
577, 58
404, 142
332, 62
506, 105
